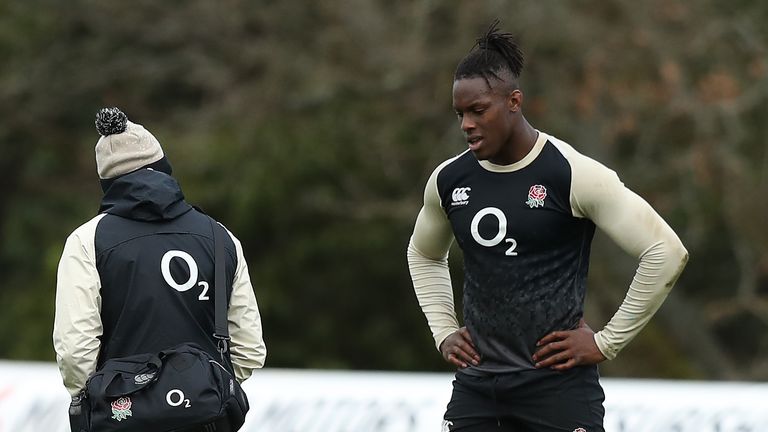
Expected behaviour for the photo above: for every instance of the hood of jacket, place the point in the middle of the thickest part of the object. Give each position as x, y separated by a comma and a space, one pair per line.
145, 195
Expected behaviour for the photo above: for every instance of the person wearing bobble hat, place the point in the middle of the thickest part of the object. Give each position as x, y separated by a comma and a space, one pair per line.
135, 278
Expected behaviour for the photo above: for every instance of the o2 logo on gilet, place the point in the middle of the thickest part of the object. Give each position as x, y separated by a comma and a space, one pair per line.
165, 269
502, 219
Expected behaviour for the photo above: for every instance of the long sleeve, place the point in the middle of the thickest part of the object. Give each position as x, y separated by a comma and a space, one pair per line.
428, 264
599, 195
77, 323
247, 348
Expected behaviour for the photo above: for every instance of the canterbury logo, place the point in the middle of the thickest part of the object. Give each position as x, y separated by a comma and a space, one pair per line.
460, 196
143, 378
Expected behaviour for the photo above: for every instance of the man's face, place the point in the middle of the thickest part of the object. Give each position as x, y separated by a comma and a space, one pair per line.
485, 116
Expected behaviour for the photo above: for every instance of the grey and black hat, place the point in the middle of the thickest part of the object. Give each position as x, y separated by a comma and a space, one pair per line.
124, 146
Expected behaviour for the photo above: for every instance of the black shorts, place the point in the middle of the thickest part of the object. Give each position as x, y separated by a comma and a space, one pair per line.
527, 401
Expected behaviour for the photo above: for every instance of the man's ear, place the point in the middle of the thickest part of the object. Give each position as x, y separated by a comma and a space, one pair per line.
515, 101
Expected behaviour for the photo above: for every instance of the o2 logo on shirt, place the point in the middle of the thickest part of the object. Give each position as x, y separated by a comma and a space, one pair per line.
502, 219
165, 269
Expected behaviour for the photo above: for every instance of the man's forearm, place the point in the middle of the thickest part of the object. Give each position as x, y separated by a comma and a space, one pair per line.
432, 284
657, 272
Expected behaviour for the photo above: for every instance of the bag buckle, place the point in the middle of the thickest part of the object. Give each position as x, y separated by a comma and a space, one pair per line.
222, 344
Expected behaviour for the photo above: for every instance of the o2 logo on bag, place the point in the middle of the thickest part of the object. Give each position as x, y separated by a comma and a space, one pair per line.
165, 269
176, 398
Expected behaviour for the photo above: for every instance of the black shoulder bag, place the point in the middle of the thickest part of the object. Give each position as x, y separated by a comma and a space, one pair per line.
179, 389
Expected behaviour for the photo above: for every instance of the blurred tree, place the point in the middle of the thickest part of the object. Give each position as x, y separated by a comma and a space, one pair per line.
310, 129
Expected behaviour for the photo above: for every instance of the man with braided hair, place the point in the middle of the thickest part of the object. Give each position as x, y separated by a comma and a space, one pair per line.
523, 206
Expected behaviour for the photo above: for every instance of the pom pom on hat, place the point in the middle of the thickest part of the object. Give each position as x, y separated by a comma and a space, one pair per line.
110, 121
124, 146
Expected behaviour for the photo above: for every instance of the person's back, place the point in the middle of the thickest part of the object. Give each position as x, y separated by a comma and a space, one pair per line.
139, 276
154, 256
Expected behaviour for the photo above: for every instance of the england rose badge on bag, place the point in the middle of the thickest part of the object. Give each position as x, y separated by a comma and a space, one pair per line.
121, 408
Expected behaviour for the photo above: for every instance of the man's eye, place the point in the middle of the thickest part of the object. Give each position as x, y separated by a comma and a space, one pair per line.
459, 115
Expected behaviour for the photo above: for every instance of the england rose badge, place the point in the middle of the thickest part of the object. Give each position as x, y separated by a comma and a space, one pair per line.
536, 196
121, 408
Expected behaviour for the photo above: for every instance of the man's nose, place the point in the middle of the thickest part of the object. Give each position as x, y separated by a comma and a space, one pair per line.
467, 124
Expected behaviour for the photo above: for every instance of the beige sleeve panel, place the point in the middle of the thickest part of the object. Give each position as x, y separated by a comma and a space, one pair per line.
598, 194
247, 348
77, 323
428, 263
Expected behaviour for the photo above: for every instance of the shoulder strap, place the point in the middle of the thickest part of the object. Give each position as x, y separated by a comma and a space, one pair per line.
221, 331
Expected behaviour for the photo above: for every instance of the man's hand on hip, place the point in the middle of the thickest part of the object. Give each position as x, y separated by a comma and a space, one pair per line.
459, 350
562, 350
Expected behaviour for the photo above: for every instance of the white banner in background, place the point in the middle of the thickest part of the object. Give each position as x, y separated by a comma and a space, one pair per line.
32, 399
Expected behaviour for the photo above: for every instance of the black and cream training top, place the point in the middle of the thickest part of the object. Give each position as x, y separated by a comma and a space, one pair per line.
525, 231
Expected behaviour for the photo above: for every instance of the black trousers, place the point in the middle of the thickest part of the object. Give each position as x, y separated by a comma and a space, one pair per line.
527, 401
